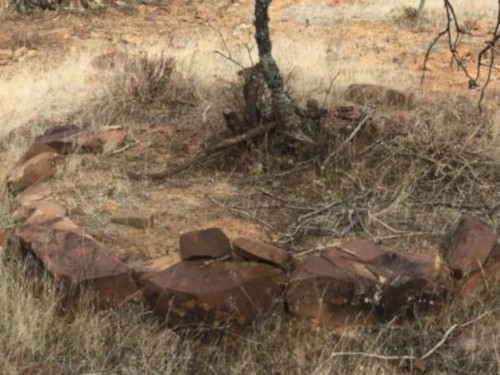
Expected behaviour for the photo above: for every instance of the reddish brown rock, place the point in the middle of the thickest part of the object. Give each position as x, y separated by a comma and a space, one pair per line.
139, 220
69, 138
471, 245
3, 243
323, 286
480, 282
36, 168
218, 294
260, 251
77, 262
410, 282
207, 243
45, 211
374, 94
466, 342
362, 249
362, 274
112, 139
157, 265
36, 149
33, 194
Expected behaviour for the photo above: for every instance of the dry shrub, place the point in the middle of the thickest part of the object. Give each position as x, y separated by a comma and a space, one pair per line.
143, 88
446, 152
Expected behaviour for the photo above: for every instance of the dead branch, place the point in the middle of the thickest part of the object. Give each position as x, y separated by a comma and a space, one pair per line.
363, 121
241, 212
204, 155
454, 33
405, 357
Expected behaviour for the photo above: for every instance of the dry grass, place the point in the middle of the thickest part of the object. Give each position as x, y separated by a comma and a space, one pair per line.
34, 335
407, 190
143, 89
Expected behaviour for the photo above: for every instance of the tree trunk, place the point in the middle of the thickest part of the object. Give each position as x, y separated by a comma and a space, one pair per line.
282, 103
420, 8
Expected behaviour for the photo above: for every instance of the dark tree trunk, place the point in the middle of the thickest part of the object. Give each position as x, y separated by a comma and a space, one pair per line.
282, 104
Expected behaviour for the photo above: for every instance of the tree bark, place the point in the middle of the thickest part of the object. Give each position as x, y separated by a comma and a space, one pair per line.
282, 103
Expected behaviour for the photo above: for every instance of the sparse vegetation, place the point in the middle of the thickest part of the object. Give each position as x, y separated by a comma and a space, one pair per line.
402, 177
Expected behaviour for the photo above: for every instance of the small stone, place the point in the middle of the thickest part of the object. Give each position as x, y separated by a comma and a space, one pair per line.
5, 54
260, 251
139, 220
471, 245
3, 243
112, 139
362, 249
420, 365
480, 281
466, 342
207, 243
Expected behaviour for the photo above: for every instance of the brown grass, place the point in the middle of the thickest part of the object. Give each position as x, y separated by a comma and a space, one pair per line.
407, 191
34, 335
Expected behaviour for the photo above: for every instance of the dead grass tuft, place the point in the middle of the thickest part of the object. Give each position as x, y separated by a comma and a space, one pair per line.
141, 89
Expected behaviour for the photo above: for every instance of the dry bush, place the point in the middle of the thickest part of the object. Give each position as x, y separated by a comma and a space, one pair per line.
447, 151
141, 89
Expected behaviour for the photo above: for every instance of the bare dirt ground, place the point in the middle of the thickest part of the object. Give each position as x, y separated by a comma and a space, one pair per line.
393, 198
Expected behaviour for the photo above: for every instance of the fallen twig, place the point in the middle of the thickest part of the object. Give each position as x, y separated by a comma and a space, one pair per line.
241, 212
405, 357
363, 121
205, 155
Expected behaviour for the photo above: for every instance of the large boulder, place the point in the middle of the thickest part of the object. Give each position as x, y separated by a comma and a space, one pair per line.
208, 243
38, 163
77, 262
363, 275
259, 251
215, 294
471, 245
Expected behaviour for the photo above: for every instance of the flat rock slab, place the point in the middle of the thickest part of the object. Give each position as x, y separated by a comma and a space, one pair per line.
44, 211
157, 265
208, 243
77, 261
365, 275
324, 286
217, 294
471, 245
33, 194
260, 251
34, 169
139, 220
69, 138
